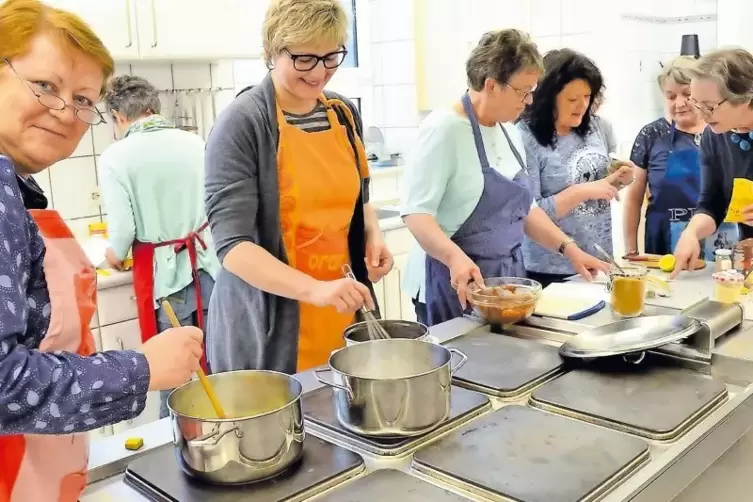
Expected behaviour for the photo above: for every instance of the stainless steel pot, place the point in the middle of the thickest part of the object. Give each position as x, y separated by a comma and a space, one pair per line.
262, 437
358, 332
392, 388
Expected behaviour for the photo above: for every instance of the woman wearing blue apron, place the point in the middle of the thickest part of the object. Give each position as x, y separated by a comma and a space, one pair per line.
466, 197
674, 198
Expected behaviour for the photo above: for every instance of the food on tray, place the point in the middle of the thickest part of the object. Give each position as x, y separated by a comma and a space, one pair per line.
503, 302
667, 263
728, 286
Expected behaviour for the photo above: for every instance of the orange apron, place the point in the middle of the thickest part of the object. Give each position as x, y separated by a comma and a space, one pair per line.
47, 468
319, 186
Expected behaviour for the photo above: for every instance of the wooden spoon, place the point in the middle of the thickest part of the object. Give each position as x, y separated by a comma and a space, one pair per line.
202, 376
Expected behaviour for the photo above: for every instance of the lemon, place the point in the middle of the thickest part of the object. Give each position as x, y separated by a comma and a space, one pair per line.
667, 263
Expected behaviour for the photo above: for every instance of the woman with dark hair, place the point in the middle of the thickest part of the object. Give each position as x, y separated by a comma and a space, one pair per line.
466, 194
567, 155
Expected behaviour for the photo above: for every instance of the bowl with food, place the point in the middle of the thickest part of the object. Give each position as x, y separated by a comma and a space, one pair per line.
504, 300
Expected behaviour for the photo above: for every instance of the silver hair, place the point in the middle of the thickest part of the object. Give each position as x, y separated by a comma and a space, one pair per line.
131, 96
731, 70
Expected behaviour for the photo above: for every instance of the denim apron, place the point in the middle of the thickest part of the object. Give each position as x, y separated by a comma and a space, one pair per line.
675, 197
491, 236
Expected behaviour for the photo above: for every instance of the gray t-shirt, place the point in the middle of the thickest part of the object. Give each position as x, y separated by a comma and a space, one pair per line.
572, 159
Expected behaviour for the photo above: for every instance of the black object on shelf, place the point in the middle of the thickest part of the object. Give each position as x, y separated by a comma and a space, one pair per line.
690, 46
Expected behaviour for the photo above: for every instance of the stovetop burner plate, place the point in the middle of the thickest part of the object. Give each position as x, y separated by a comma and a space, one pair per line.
158, 476
504, 366
526, 455
391, 485
319, 413
655, 402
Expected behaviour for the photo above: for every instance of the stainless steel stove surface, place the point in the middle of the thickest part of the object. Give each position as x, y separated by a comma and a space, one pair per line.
389, 485
504, 366
655, 402
159, 477
319, 413
526, 455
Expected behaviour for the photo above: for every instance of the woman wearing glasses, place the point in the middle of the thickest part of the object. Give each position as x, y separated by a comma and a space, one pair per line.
722, 90
52, 385
287, 203
467, 198
666, 153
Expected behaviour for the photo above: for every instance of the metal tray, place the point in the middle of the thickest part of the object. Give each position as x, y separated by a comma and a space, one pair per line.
629, 335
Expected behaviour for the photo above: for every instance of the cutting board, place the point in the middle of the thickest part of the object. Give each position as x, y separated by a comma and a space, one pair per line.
652, 261
570, 301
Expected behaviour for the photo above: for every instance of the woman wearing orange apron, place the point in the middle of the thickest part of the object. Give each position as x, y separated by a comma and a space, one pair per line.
53, 388
287, 202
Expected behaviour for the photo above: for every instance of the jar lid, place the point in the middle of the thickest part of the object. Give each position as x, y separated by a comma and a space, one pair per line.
723, 252
730, 276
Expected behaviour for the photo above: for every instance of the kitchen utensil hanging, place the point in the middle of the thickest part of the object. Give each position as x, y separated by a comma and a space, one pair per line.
183, 118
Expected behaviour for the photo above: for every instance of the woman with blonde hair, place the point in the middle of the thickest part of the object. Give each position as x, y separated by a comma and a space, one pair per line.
721, 89
287, 187
666, 155
52, 386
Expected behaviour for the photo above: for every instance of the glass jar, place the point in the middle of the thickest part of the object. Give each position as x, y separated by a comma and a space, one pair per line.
722, 260
728, 286
628, 290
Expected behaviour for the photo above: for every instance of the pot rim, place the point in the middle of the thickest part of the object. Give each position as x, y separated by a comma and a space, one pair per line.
239, 419
391, 379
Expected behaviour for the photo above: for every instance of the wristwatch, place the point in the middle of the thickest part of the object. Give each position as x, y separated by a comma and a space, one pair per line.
564, 244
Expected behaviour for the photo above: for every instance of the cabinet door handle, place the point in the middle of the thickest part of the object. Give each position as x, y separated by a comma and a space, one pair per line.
120, 342
128, 23
154, 25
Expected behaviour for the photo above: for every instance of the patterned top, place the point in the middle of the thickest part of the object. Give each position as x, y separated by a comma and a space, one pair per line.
314, 121
60, 392
572, 159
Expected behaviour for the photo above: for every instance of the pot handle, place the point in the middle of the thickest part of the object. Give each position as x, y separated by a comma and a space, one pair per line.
214, 437
463, 360
331, 384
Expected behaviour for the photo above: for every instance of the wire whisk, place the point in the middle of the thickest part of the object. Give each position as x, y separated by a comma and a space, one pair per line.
375, 329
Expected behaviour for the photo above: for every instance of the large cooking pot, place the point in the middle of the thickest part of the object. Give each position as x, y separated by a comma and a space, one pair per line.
392, 388
262, 436
359, 332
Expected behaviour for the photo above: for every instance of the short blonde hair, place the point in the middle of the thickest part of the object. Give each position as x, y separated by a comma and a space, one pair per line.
22, 20
731, 70
679, 71
300, 22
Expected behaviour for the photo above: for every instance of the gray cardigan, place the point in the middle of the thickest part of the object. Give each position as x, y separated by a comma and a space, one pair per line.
248, 328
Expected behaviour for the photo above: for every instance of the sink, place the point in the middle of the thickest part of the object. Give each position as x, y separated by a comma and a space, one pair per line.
383, 214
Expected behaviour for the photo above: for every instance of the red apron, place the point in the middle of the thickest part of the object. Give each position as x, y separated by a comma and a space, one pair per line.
143, 280
52, 468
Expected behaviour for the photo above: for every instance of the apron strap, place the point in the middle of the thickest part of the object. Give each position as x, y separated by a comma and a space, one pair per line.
515, 151
477, 138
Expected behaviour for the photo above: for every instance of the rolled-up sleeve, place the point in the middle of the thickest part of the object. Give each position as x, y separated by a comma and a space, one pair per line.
534, 166
60, 392
231, 179
715, 198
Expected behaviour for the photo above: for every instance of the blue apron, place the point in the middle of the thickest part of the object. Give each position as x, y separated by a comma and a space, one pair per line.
491, 236
674, 199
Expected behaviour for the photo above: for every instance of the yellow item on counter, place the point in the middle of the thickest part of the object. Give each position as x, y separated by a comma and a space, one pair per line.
742, 197
667, 263
134, 443
98, 229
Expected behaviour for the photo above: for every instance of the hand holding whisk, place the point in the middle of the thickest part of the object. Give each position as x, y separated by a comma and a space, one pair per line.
374, 327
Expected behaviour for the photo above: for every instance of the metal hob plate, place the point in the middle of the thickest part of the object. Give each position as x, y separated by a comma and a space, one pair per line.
526, 455
389, 485
323, 466
504, 366
658, 403
319, 412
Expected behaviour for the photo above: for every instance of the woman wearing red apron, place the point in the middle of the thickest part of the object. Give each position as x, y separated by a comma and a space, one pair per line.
53, 388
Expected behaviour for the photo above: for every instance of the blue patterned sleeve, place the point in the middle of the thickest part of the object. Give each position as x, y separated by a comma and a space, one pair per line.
50, 393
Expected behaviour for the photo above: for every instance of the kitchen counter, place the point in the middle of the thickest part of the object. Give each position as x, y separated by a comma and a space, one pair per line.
670, 468
107, 279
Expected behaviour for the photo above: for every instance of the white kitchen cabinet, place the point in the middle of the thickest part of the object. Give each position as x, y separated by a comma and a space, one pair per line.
177, 29
127, 335
113, 21
118, 304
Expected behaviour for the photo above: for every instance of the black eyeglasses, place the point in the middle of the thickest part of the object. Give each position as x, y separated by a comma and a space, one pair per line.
706, 110
50, 100
307, 62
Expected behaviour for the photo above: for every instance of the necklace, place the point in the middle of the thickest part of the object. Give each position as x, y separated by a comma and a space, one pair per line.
743, 142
